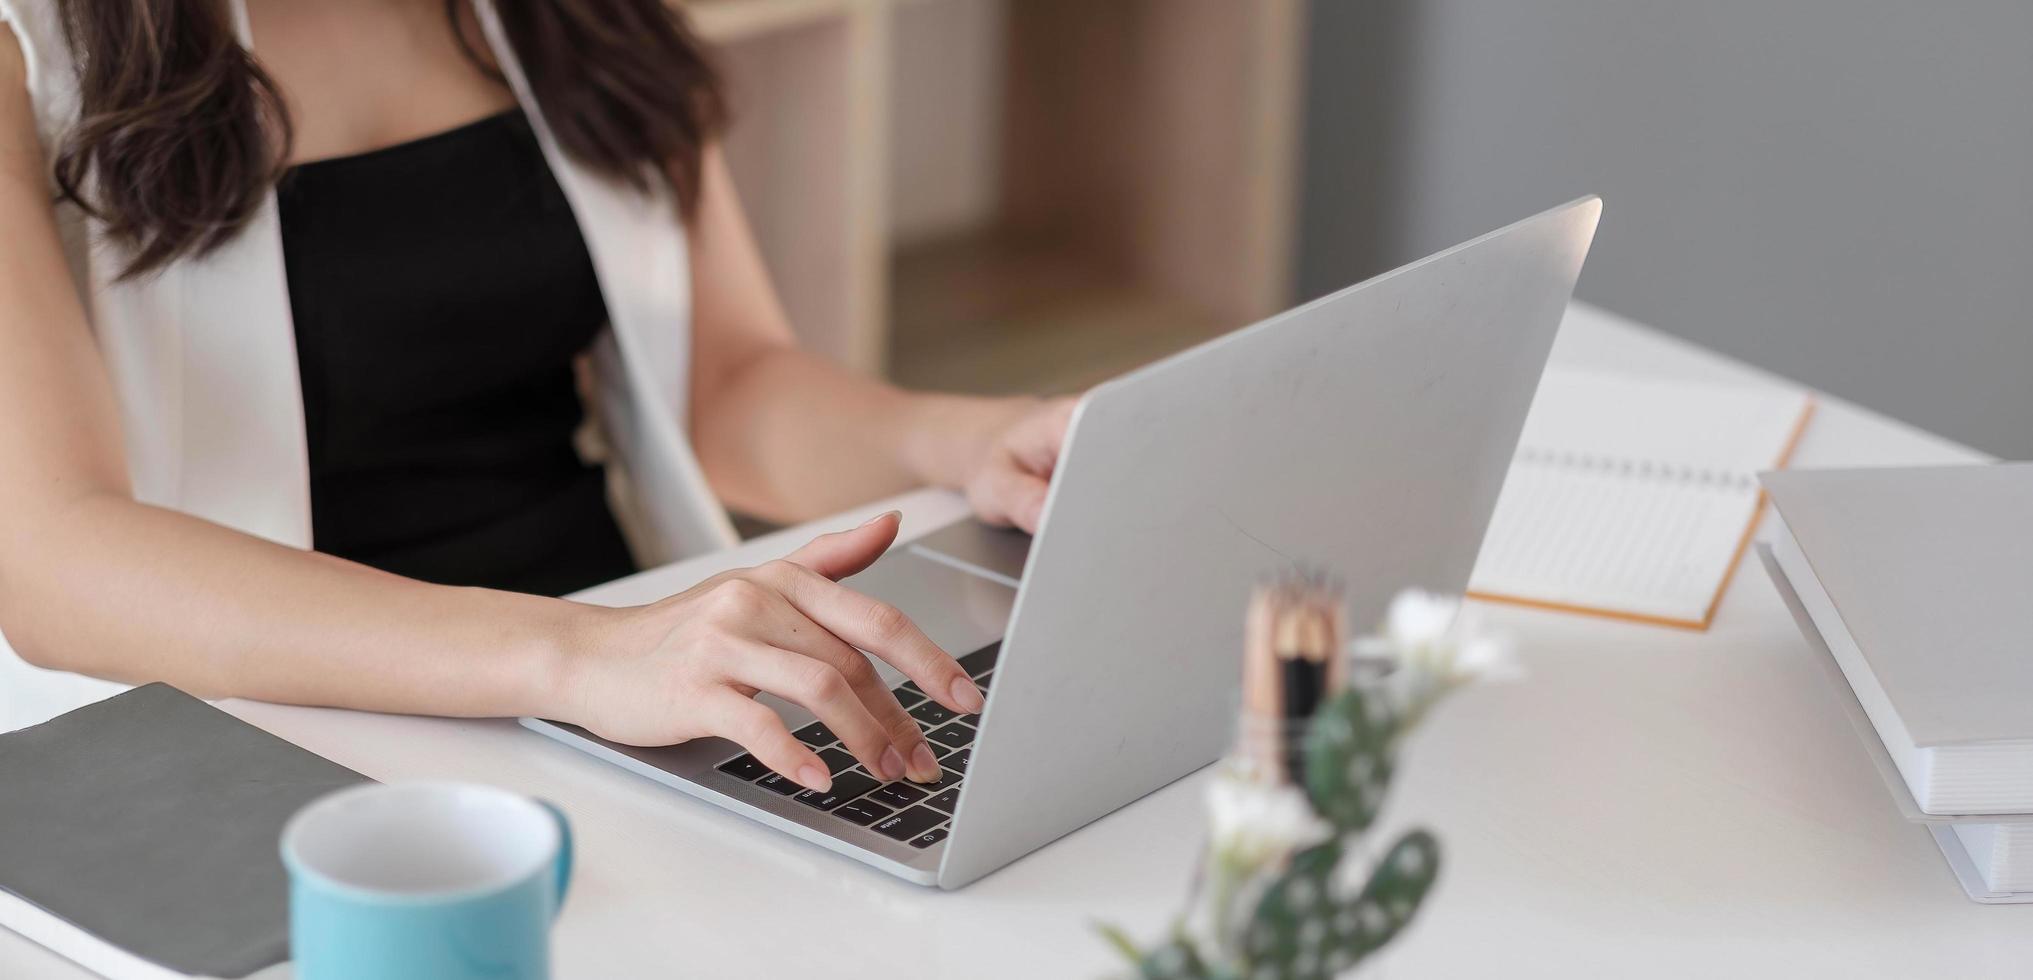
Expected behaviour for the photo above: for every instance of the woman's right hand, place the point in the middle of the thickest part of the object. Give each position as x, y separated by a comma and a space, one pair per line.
691, 665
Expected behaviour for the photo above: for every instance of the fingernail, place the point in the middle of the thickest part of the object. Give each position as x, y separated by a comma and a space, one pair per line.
891, 765
966, 695
814, 777
878, 517
924, 766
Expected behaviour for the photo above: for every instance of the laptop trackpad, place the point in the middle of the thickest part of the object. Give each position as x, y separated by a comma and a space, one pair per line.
960, 612
993, 552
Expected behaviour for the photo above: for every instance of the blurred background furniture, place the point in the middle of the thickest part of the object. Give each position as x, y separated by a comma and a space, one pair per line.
1006, 195
1836, 190
1015, 195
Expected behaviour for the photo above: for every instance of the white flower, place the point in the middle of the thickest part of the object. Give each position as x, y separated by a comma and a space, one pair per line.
1488, 657
1253, 823
1379, 650
1418, 618
1438, 639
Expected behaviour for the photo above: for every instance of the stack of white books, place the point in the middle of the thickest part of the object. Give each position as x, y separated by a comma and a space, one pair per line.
1914, 584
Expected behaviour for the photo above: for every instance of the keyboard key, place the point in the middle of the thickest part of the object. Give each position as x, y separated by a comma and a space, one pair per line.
816, 735
862, 812
909, 699
837, 760
910, 823
938, 751
953, 736
983, 660
898, 794
984, 680
779, 783
945, 801
931, 714
946, 778
957, 761
846, 786
929, 837
911, 688
974, 720
743, 767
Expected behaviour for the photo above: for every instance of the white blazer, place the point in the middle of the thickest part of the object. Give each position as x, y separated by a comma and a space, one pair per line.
203, 353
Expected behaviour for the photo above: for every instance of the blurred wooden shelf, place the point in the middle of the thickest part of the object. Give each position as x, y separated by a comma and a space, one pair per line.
732, 21
990, 315
1014, 195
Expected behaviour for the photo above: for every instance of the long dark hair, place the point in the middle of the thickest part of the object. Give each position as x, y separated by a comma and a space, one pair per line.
181, 133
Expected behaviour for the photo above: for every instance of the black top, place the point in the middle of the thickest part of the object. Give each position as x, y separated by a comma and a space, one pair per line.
441, 291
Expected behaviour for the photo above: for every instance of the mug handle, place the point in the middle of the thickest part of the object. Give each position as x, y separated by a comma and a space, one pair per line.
564, 859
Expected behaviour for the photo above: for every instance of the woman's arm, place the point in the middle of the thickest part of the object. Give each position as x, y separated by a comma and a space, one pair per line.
93, 581
786, 435
90, 580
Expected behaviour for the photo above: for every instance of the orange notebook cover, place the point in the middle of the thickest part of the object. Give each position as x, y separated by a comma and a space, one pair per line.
1635, 497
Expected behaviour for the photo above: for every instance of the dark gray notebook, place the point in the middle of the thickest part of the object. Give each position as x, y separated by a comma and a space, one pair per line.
150, 820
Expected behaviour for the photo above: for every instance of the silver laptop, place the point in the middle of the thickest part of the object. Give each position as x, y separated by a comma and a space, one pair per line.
1367, 433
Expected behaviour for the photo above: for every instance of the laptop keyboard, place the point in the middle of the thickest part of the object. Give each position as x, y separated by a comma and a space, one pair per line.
915, 813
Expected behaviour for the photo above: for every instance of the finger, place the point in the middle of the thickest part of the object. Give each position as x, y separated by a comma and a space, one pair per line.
880, 629
1037, 440
1007, 496
822, 690
904, 751
843, 553
764, 735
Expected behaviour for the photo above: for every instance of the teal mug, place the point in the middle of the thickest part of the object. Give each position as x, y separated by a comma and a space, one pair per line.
425, 881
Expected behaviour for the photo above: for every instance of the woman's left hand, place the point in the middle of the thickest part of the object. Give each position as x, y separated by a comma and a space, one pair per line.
1007, 485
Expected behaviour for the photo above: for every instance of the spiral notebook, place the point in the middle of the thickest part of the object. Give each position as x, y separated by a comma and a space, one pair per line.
1635, 497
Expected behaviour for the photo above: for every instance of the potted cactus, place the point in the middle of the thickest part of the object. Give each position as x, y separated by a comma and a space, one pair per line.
1284, 890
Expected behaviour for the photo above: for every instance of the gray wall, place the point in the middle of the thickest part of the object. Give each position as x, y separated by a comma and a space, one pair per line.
1838, 190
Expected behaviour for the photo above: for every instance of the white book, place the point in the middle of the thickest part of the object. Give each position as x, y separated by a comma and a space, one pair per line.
2002, 853
1917, 579
1985, 853
1634, 497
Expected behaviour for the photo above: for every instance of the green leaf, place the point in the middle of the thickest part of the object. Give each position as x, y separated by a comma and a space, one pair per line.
1284, 938
1349, 758
1121, 941
1176, 959
1303, 930
1394, 892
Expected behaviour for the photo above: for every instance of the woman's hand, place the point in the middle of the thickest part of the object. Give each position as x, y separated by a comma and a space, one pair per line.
691, 665
1007, 486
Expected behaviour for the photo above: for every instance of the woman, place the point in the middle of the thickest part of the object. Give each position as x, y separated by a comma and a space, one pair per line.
329, 288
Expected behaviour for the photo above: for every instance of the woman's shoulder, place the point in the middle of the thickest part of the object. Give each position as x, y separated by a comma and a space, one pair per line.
33, 22
37, 26
39, 59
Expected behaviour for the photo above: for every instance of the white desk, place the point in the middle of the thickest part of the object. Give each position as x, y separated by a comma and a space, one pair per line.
1649, 803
